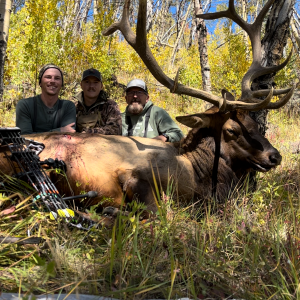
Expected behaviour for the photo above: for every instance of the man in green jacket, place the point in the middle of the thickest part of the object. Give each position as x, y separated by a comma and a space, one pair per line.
45, 112
142, 118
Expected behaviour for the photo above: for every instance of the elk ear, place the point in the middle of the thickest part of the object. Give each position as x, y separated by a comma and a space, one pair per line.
227, 95
195, 121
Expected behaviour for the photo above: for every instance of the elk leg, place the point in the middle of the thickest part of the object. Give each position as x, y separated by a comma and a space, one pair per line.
136, 188
140, 189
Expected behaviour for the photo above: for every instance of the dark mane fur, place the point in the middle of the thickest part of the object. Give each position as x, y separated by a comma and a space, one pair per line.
199, 148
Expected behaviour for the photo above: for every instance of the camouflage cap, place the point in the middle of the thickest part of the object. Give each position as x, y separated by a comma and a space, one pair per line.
50, 66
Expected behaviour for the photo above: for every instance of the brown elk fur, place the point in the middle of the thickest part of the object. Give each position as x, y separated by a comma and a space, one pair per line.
115, 166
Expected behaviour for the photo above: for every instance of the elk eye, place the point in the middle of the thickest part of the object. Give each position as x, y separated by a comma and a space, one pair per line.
231, 131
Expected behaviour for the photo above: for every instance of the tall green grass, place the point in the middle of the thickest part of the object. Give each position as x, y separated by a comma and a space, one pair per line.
247, 248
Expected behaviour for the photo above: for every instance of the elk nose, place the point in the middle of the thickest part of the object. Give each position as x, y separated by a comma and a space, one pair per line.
275, 158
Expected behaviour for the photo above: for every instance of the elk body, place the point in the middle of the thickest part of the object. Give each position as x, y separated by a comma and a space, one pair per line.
224, 136
115, 166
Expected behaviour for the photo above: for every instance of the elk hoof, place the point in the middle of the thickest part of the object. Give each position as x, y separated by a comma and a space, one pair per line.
110, 211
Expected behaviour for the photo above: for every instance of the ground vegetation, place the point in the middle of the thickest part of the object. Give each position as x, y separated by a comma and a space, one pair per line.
248, 248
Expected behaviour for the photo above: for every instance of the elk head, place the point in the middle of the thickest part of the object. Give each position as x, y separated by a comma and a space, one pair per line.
242, 146
248, 100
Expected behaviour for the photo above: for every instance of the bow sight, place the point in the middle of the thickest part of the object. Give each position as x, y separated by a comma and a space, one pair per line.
27, 167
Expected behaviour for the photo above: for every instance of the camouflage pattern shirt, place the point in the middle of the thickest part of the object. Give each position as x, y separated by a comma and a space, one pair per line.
102, 117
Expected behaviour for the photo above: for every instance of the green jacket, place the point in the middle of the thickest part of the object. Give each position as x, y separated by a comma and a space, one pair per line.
159, 122
46, 118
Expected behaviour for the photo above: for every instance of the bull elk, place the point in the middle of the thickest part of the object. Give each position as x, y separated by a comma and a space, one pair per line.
115, 166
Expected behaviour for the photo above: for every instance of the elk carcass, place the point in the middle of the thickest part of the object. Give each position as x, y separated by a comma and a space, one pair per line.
223, 136
115, 166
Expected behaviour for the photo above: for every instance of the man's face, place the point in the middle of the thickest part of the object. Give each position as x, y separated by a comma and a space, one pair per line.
51, 82
136, 99
91, 87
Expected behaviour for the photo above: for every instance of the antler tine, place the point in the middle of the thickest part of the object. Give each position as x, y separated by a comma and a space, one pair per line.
253, 30
230, 13
263, 12
123, 23
282, 101
254, 106
263, 93
258, 70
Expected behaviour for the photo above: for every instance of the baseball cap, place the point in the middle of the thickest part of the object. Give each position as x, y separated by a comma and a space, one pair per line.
91, 72
137, 83
50, 66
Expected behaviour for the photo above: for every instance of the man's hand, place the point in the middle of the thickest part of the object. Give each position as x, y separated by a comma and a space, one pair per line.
68, 128
160, 137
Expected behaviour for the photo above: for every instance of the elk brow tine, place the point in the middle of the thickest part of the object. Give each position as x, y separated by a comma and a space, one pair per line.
254, 106
174, 88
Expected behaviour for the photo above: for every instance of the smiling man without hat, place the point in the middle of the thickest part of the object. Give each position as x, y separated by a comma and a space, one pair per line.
95, 112
142, 118
46, 112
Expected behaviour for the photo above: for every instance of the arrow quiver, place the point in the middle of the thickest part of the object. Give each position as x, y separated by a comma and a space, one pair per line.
27, 167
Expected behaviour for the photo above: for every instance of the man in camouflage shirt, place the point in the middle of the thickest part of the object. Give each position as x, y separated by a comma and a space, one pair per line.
95, 112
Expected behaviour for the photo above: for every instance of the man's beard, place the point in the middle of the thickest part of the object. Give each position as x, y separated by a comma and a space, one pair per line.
135, 108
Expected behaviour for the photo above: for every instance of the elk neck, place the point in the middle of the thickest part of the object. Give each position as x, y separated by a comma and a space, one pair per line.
199, 148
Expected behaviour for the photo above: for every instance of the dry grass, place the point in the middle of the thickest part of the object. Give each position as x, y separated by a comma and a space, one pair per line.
249, 248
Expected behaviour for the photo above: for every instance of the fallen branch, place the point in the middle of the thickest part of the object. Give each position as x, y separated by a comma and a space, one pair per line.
20, 240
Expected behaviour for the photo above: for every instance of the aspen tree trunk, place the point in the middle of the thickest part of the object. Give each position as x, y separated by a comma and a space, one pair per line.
273, 43
95, 7
149, 15
245, 36
295, 34
86, 11
5, 10
201, 32
180, 34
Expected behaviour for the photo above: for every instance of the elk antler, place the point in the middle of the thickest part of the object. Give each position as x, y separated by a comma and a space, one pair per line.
256, 69
248, 100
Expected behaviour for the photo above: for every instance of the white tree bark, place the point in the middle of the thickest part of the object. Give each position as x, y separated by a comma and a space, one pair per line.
5, 10
295, 33
149, 15
201, 31
180, 33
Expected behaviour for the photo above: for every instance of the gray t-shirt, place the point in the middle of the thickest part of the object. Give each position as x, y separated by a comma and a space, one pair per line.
46, 118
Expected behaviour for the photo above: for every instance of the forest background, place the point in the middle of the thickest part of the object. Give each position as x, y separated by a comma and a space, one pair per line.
69, 34
249, 249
